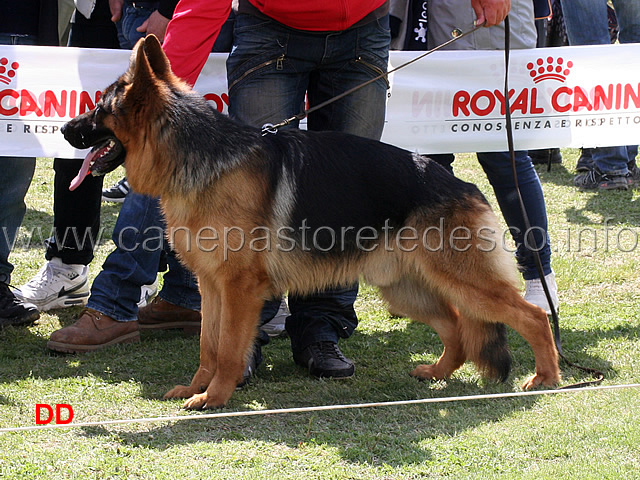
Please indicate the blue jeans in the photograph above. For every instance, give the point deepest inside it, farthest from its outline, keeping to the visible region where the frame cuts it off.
(140, 250)
(632, 153)
(133, 17)
(17, 173)
(587, 24)
(587, 21)
(269, 71)
(497, 167)
(272, 66)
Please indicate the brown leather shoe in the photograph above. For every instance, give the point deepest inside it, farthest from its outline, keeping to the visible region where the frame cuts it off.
(93, 330)
(162, 315)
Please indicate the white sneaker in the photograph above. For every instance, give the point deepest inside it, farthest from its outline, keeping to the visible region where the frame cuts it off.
(147, 292)
(56, 285)
(275, 326)
(534, 292)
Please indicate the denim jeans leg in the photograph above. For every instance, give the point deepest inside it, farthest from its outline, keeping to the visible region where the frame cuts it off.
(611, 160)
(586, 21)
(271, 67)
(180, 285)
(632, 153)
(497, 166)
(628, 12)
(17, 173)
(263, 87)
(139, 239)
(352, 58)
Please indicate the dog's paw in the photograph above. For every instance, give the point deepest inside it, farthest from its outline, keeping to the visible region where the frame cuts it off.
(179, 391)
(427, 372)
(549, 380)
(202, 401)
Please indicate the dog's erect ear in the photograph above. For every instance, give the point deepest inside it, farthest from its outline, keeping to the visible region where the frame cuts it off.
(140, 77)
(157, 59)
(148, 64)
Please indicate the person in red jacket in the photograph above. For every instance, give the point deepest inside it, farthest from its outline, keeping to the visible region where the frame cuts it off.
(284, 50)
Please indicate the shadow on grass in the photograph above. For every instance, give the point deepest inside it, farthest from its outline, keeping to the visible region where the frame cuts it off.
(558, 175)
(617, 206)
(393, 435)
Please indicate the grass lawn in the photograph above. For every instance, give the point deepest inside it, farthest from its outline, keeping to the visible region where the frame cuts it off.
(590, 435)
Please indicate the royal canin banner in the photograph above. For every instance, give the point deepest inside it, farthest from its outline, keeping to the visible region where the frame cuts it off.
(447, 102)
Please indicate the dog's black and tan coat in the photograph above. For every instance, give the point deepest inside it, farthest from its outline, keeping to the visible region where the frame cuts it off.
(255, 216)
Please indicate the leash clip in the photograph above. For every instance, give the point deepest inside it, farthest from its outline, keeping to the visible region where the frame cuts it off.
(269, 128)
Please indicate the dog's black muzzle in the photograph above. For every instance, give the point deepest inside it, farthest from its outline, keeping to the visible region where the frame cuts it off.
(107, 152)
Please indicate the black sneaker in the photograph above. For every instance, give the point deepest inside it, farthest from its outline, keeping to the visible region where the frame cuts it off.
(13, 312)
(324, 359)
(585, 162)
(596, 180)
(633, 177)
(117, 193)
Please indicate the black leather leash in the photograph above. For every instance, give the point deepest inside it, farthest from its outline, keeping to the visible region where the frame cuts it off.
(598, 376)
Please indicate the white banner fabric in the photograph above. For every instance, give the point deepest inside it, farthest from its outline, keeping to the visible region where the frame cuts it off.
(445, 103)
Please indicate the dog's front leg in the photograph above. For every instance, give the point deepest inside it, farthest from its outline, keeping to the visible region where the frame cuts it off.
(241, 303)
(209, 338)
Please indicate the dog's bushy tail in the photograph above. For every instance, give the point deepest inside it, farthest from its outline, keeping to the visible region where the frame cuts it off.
(486, 346)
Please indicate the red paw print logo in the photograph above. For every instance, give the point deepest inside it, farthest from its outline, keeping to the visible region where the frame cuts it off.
(7, 70)
(549, 69)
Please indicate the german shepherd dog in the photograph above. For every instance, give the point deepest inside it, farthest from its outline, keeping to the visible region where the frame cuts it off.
(302, 211)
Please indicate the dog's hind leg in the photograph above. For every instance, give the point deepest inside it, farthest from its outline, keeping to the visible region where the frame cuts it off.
(497, 301)
(241, 300)
(209, 337)
(421, 305)
(532, 324)
(477, 276)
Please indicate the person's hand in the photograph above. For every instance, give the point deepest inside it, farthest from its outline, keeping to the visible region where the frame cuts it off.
(116, 9)
(156, 24)
(491, 11)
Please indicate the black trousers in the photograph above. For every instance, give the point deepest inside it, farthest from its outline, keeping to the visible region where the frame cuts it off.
(76, 215)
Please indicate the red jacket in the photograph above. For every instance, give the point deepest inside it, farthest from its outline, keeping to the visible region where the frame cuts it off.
(196, 25)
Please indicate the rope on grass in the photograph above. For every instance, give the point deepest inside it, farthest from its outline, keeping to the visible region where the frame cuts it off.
(319, 408)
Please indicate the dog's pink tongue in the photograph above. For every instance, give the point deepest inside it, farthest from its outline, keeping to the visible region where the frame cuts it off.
(84, 171)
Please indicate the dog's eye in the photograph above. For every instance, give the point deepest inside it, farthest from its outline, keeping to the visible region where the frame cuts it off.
(100, 110)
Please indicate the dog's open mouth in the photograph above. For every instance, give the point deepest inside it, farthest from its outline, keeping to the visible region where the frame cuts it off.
(103, 158)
